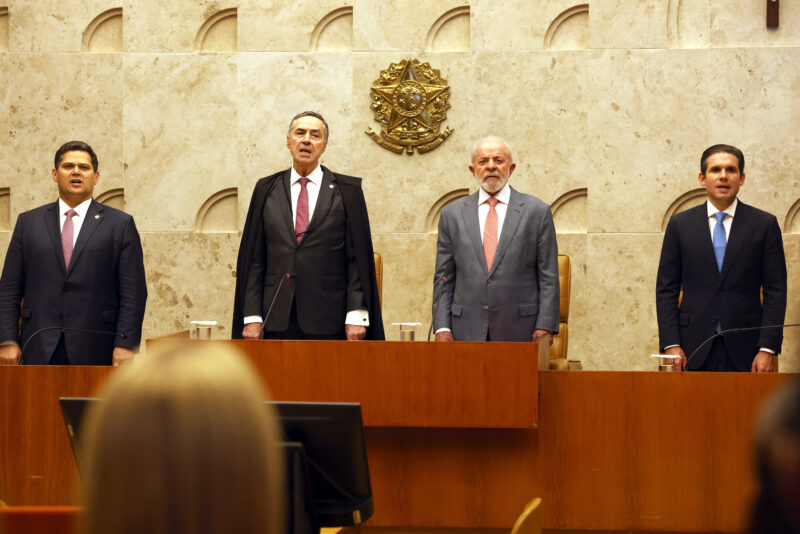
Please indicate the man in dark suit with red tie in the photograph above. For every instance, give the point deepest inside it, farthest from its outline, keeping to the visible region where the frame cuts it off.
(73, 266)
(722, 254)
(306, 265)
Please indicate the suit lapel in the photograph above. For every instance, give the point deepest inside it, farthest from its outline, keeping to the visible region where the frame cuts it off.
(702, 237)
(94, 218)
(286, 207)
(469, 215)
(510, 224)
(324, 200)
(740, 229)
(52, 224)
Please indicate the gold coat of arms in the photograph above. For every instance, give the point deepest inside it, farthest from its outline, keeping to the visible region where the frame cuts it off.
(410, 100)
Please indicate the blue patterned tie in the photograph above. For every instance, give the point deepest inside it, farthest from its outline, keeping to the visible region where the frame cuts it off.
(719, 240)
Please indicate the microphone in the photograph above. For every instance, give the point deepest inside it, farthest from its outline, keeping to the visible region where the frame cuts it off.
(436, 304)
(733, 330)
(271, 304)
(66, 329)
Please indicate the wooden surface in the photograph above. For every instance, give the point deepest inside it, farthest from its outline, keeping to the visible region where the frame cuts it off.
(40, 519)
(405, 384)
(613, 451)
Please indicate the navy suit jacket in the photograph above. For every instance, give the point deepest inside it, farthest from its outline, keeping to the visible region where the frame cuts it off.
(754, 259)
(103, 289)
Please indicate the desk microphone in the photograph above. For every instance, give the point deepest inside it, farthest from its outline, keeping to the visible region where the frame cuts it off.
(436, 304)
(274, 298)
(733, 330)
(66, 329)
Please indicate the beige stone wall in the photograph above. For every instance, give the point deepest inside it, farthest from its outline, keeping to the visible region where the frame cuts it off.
(606, 104)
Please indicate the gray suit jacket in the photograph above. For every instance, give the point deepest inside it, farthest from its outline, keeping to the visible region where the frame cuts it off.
(520, 293)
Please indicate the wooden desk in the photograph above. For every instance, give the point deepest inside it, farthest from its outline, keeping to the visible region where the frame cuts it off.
(613, 450)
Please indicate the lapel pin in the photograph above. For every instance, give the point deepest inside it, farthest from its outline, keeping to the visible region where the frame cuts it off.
(97, 216)
(330, 186)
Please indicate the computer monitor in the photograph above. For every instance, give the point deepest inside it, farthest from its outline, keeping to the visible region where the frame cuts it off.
(332, 435)
(332, 459)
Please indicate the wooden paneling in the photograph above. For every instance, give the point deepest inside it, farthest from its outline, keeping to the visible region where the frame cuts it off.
(613, 451)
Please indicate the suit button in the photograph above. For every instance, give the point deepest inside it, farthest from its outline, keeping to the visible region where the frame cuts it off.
(490, 280)
(486, 307)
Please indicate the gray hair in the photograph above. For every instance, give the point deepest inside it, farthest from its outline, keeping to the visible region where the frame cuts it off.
(491, 138)
(309, 114)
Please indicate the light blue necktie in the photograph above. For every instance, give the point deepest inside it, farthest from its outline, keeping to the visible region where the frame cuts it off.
(719, 240)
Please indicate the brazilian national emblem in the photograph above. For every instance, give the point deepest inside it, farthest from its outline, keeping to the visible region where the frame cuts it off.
(410, 100)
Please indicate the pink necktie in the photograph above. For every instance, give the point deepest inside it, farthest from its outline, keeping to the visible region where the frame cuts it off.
(67, 232)
(490, 233)
(301, 219)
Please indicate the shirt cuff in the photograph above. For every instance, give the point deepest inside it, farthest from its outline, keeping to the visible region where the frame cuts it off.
(670, 346)
(445, 329)
(253, 319)
(767, 350)
(357, 317)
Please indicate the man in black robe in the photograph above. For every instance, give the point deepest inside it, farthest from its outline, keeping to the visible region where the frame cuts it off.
(305, 268)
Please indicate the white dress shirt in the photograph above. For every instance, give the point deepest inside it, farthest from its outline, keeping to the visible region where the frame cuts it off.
(354, 317)
(504, 196)
(77, 219)
(730, 212)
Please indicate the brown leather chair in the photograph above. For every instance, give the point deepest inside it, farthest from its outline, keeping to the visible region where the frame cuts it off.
(558, 350)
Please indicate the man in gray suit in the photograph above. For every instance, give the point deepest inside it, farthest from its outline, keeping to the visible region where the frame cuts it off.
(496, 260)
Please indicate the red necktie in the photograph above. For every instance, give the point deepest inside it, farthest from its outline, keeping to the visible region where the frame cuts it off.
(490, 233)
(301, 219)
(67, 233)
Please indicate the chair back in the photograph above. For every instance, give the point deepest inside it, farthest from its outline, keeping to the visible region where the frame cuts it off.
(558, 350)
(379, 275)
(530, 520)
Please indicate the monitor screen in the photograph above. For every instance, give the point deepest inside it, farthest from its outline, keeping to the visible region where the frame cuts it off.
(333, 458)
(332, 435)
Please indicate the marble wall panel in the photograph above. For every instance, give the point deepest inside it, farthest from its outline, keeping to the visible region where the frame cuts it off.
(648, 114)
(290, 23)
(394, 25)
(190, 277)
(516, 25)
(408, 267)
(789, 360)
(754, 106)
(744, 23)
(51, 25)
(318, 82)
(180, 135)
(541, 112)
(5, 130)
(629, 23)
(620, 288)
(400, 189)
(165, 26)
(687, 23)
(54, 98)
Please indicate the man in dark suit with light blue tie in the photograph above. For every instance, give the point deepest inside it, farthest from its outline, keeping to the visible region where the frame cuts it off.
(73, 285)
(722, 254)
(496, 259)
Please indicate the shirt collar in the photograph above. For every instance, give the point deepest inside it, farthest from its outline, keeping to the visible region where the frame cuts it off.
(315, 177)
(504, 195)
(730, 210)
(80, 209)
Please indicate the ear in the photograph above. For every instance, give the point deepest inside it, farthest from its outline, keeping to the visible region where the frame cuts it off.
(54, 176)
(741, 181)
(511, 168)
(96, 177)
(702, 178)
(471, 170)
(287, 143)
